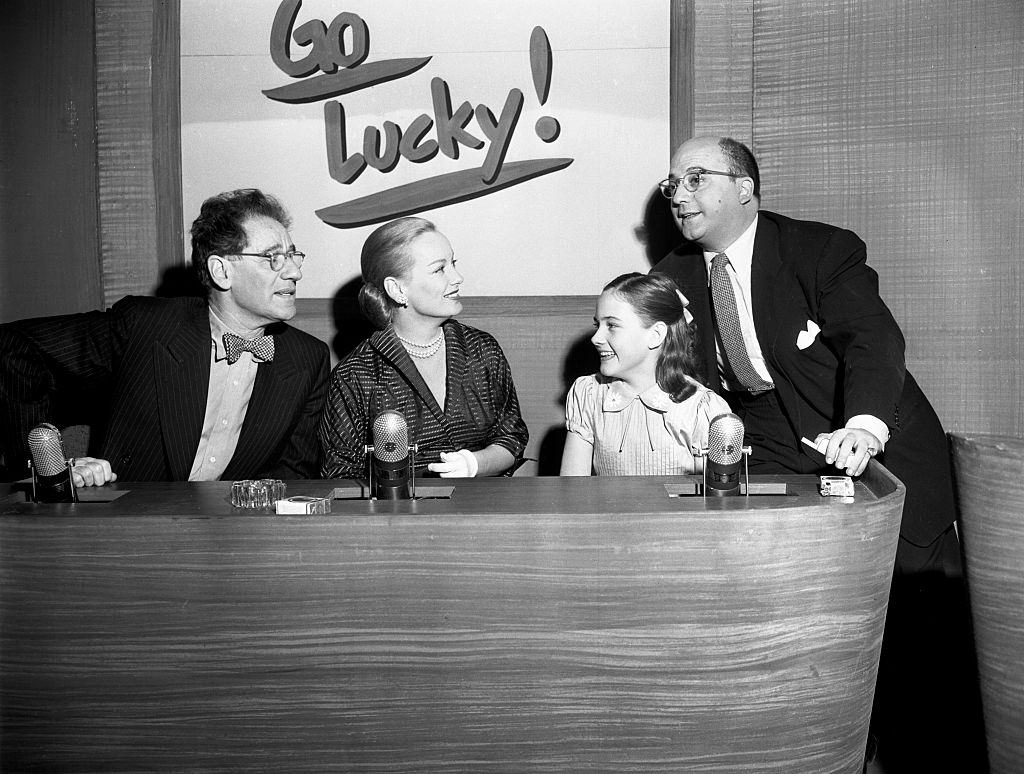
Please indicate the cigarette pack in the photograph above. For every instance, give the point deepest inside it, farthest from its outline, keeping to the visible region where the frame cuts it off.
(836, 486)
(303, 504)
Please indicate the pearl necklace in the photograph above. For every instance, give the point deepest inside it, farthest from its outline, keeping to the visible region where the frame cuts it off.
(423, 351)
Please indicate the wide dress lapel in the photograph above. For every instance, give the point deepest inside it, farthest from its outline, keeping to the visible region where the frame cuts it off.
(693, 282)
(181, 363)
(390, 349)
(771, 288)
(765, 272)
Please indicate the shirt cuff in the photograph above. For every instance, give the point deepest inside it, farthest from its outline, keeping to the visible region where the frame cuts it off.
(873, 425)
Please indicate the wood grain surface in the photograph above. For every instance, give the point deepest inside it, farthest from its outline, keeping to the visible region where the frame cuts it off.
(523, 625)
(990, 488)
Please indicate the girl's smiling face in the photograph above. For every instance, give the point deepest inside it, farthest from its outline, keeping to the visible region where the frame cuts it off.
(628, 349)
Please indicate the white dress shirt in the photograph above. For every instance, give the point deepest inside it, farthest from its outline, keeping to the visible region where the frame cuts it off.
(227, 401)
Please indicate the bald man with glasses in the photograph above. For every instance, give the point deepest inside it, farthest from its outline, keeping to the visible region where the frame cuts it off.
(198, 389)
(797, 339)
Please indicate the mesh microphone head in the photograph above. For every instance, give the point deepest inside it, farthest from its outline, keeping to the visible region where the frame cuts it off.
(725, 439)
(390, 437)
(47, 448)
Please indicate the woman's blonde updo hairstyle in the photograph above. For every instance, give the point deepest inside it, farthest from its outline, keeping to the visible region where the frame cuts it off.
(384, 255)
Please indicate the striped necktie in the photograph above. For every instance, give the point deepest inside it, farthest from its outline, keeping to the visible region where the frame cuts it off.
(728, 321)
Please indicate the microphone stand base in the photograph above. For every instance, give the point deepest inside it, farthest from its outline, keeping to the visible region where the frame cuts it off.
(59, 488)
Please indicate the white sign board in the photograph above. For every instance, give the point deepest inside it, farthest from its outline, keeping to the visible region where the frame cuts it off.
(532, 133)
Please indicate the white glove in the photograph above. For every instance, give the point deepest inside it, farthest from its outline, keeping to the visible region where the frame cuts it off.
(458, 464)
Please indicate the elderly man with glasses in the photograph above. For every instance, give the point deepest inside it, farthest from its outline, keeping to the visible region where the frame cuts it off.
(797, 339)
(193, 388)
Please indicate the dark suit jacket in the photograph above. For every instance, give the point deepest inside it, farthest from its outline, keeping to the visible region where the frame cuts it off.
(148, 361)
(804, 271)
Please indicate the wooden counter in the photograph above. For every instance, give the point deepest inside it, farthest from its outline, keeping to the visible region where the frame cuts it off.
(524, 624)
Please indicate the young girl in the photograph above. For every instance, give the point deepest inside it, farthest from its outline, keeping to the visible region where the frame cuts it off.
(644, 414)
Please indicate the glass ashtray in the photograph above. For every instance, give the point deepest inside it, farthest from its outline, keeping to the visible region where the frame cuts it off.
(262, 493)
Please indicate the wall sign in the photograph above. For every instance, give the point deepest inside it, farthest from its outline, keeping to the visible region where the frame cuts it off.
(339, 52)
(533, 133)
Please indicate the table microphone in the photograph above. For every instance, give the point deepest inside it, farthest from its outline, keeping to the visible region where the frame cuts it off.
(51, 470)
(391, 465)
(724, 454)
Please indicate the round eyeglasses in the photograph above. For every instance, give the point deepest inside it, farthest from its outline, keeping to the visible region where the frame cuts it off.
(690, 181)
(278, 260)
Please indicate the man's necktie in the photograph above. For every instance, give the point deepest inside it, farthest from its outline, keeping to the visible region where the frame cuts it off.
(729, 330)
(262, 347)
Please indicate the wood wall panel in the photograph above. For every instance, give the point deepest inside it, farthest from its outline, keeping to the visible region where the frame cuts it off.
(49, 256)
(903, 122)
(682, 112)
(170, 229)
(723, 68)
(137, 129)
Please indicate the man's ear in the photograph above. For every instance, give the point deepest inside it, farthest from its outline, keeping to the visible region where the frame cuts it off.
(656, 334)
(393, 287)
(220, 272)
(746, 190)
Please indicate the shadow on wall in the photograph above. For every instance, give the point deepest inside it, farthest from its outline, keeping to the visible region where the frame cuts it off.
(580, 360)
(350, 327)
(179, 281)
(657, 230)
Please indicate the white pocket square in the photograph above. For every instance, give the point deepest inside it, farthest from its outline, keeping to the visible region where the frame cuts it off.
(806, 338)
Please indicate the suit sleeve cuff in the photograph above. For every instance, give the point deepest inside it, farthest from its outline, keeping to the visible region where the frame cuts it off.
(873, 425)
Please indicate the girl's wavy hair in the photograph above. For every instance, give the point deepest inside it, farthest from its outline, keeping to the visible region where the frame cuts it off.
(656, 298)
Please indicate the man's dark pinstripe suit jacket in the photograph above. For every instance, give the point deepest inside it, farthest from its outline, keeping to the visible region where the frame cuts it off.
(149, 360)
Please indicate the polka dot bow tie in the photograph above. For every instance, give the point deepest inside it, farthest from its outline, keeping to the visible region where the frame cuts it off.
(262, 347)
